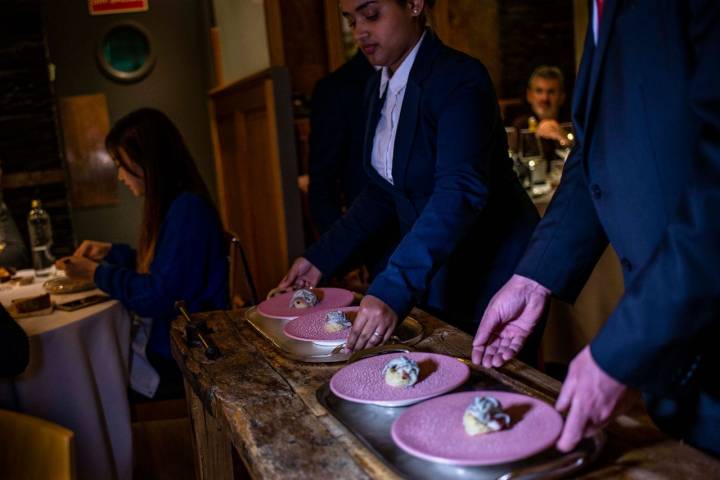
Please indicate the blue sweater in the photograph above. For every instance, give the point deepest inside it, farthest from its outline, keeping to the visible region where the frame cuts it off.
(190, 264)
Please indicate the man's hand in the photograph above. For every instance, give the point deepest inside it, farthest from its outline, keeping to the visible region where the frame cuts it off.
(77, 267)
(552, 130)
(593, 398)
(93, 250)
(302, 274)
(508, 320)
(374, 324)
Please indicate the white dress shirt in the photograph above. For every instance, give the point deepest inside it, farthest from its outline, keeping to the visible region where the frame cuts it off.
(384, 141)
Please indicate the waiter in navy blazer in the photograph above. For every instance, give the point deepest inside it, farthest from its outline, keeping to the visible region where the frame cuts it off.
(645, 176)
(436, 155)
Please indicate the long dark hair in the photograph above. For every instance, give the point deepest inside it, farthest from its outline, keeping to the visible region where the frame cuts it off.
(151, 140)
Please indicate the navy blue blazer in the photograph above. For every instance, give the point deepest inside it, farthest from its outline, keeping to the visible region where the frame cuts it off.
(645, 176)
(190, 264)
(464, 218)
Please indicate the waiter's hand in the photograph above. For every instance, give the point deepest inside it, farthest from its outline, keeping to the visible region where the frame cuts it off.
(93, 250)
(302, 274)
(374, 324)
(77, 267)
(508, 320)
(593, 398)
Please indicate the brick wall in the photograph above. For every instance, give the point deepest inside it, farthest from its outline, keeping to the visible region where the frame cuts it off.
(30, 152)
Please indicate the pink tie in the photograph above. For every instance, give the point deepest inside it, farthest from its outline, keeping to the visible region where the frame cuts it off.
(600, 10)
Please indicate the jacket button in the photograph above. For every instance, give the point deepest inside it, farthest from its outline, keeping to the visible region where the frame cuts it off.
(626, 265)
(596, 191)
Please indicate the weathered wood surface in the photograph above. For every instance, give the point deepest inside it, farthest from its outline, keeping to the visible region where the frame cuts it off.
(265, 405)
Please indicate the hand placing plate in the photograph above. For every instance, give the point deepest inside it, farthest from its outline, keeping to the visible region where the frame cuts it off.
(434, 431)
(328, 298)
(311, 327)
(364, 380)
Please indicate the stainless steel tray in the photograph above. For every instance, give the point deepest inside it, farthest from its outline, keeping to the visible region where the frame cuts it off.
(371, 425)
(408, 333)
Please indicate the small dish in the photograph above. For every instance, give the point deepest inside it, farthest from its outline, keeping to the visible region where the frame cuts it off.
(62, 285)
(328, 298)
(364, 382)
(434, 431)
(311, 327)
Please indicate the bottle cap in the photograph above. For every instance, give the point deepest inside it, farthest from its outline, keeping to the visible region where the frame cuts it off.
(36, 203)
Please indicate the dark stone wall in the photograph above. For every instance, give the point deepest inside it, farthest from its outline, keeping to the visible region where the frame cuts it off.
(534, 33)
(30, 153)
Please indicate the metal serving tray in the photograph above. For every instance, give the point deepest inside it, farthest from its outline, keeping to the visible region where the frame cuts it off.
(371, 425)
(408, 333)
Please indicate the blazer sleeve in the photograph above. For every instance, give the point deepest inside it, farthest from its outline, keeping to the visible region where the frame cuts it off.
(328, 135)
(370, 212)
(179, 268)
(121, 255)
(670, 311)
(465, 134)
(569, 239)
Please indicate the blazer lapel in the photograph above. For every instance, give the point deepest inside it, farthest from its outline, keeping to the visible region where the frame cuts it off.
(610, 9)
(407, 124)
(374, 107)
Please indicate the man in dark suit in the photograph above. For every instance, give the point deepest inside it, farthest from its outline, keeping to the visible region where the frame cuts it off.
(337, 133)
(337, 174)
(645, 176)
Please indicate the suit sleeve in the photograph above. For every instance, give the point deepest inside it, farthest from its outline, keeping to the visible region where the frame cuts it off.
(677, 295)
(465, 135)
(328, 135)
(179, 267)
(121, 255)
(371, 212)
(569, 240)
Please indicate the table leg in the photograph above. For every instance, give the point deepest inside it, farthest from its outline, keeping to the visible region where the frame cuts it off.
(211, 442)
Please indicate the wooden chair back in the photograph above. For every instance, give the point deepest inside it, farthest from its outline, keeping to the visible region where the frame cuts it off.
(35, 449)
(242, 286)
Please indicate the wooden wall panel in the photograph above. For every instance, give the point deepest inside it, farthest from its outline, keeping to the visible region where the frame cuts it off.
(471, 27)
(257, 172)
(298, 40)
(93, 176)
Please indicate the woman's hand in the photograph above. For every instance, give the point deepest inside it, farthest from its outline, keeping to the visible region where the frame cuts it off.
(77, 267)
(93, 250)
(374, 324)
(302, 274)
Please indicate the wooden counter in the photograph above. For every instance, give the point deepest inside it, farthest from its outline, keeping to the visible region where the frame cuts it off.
(263, 405)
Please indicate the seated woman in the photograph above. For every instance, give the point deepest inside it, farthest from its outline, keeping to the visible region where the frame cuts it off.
(181, 253)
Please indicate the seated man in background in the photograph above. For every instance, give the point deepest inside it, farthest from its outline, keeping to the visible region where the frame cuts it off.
(545, 96)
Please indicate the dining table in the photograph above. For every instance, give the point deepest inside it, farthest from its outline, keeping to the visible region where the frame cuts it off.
(77, 377)
(257, 411)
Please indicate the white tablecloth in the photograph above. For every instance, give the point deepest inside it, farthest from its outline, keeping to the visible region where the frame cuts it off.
(77, 377)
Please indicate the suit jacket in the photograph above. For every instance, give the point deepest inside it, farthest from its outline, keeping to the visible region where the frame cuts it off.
(464, 218)
(337, 136)
(645, 175)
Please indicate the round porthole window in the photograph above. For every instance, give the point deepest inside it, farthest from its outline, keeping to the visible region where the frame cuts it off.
(125, 52)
